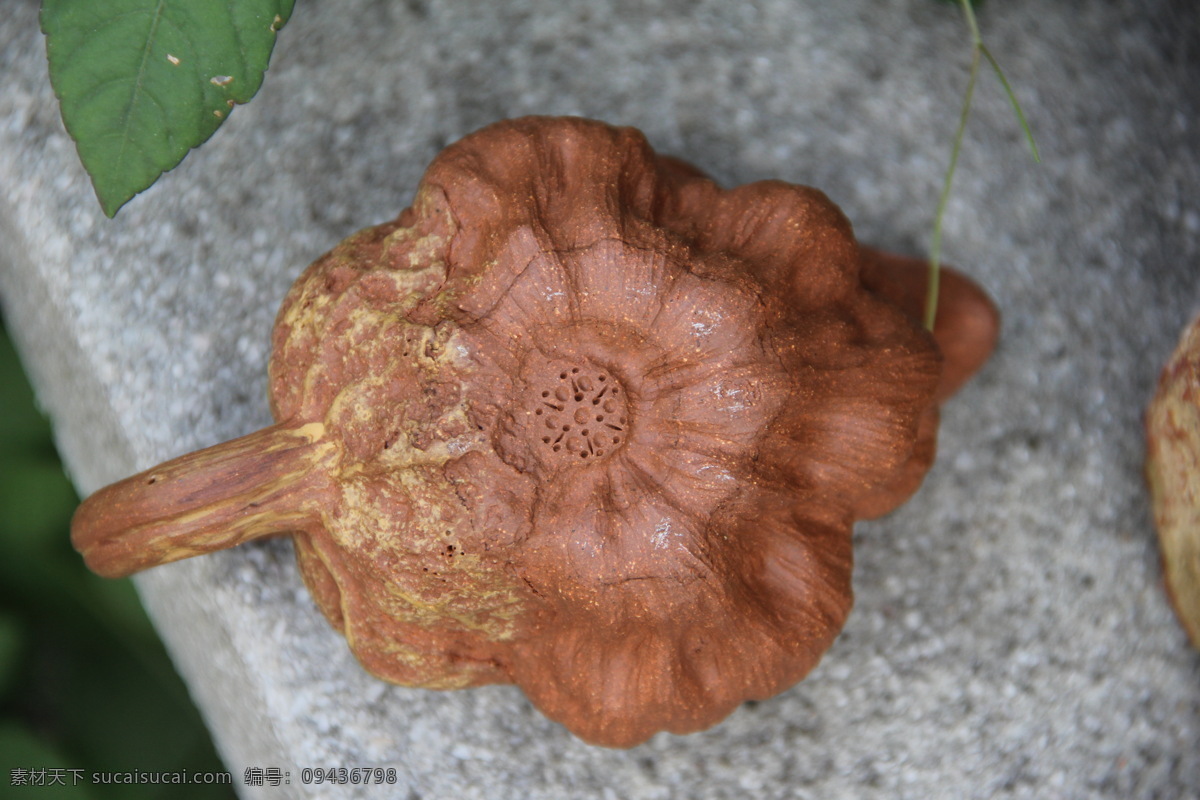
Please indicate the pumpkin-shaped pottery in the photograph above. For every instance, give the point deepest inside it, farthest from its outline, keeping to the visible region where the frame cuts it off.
(583, 421)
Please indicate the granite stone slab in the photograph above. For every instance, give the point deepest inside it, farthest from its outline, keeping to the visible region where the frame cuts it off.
(1011, 637)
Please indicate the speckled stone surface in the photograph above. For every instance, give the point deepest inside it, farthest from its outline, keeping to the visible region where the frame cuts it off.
(1010, 638)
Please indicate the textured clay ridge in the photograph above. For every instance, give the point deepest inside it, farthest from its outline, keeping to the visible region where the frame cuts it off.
(580, 420)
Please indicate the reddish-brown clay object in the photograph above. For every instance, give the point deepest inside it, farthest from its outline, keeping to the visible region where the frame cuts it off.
(579, 420)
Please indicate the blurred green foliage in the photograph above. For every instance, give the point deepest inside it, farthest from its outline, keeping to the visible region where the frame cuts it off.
(84, 681)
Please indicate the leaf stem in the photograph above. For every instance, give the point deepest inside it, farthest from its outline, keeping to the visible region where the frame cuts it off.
(978, 52)
(969, 10)
(935, 251)
(1012, 100)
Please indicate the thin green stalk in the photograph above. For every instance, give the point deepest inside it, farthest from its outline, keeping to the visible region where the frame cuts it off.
(935, 252)
(969, 10)
(1012, 99)
(978, 52)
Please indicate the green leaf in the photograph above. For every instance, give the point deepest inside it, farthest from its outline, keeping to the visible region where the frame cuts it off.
(141, 82)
